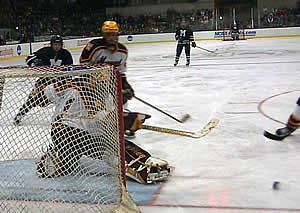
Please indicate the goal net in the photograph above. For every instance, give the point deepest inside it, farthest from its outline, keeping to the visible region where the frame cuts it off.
(61, 140)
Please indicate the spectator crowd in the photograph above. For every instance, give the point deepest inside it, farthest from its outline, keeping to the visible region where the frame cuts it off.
(40, 22)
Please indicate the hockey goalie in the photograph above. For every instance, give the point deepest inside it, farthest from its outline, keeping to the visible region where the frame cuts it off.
(74, 136)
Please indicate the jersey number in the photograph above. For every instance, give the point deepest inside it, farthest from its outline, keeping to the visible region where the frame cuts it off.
(55, 63)
(182, 33)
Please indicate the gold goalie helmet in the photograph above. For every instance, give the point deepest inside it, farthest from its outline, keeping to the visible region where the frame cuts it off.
(110, 27)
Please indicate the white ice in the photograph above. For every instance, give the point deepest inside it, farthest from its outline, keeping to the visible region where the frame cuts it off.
(231, 169)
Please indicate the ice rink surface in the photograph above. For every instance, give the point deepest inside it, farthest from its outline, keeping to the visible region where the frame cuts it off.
(251, 86)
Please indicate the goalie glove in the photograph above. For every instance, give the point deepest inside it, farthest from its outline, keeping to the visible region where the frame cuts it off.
(133, 120)
(194, 44)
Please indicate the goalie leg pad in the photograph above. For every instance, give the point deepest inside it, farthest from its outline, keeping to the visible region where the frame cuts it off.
(135, 158)
(143, 168)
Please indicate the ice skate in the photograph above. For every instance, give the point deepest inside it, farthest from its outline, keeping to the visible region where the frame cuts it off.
(129, 134)
(159, 169)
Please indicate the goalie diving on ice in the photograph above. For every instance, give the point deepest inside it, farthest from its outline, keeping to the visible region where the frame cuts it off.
(78, 131)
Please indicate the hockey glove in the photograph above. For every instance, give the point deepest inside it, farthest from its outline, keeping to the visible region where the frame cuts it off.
(194, 44)
(133, 120)
(128, 93)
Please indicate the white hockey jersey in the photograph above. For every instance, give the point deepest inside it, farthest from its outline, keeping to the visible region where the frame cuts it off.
(97, 51)
(75, 110)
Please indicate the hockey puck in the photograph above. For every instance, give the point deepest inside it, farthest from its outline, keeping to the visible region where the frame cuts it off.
(276, 185)
(185, 117)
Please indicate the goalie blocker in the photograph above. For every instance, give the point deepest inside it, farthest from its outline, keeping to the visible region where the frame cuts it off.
(140, 165)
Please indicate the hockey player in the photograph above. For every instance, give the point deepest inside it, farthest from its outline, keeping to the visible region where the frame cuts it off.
(51, 56)
(235, 32)
(46, 56)
(293, 122)
(184, 35)
(109, 50)
(74, 135)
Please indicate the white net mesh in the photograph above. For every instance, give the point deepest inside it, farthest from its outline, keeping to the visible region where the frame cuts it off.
(60, 148)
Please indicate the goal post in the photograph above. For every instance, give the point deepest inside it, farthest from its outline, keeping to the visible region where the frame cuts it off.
(61, 140)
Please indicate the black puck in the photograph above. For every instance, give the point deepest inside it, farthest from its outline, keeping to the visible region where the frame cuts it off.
(276, 185)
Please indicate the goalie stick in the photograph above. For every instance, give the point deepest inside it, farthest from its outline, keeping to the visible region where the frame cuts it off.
(204, 131)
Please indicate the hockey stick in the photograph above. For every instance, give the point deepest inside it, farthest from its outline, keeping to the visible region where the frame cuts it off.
(207, 49)
(204, 131)
(185, 117)
(274, 136)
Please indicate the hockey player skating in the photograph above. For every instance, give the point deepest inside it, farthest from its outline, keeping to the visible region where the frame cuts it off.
(109, 50)
(55, 55)
(235, 32)
(78, 129)
(292, 124)
(185, 36)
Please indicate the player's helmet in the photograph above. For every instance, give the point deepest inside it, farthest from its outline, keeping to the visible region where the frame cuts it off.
(110, 27)
(183, 23)
(56, 39)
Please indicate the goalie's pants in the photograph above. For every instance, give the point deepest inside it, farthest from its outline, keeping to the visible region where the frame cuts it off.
(187, 49)
(72, 143)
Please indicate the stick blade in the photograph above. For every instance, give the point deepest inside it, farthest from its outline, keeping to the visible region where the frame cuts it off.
(273, 136)
(207, 128)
